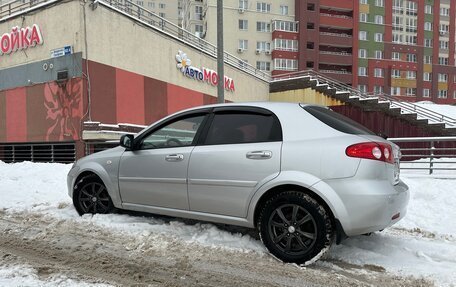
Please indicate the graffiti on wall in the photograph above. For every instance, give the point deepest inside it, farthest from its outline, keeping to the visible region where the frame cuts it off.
(63, 105)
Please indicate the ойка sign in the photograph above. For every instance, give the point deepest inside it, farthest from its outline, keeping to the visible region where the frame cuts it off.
(20, 39)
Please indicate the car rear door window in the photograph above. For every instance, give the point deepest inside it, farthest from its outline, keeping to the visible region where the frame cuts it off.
(240, 127)
(337, 121)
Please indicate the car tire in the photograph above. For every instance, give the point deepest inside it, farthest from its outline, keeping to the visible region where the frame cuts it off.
(295, 228)
(91, 196)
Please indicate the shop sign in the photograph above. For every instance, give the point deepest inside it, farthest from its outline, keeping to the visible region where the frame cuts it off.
(20, 39)
(67, 50)
(184, 64)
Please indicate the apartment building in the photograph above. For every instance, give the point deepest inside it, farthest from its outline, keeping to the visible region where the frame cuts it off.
(169, 9)
(261, 33)
(405, 48)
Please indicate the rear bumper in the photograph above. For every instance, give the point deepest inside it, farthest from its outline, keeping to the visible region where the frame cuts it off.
(369, 205)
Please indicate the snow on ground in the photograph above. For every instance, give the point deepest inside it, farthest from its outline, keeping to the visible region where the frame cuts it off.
(23, 275)
(422, 244)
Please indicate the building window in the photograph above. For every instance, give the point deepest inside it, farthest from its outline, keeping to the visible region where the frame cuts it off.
(243, 44)
(199, 12)
(283, 9)
(362, 53)
(198, 29)
(411, 8)
(395, 74)
(243, 25)
(286, 45)
(379, 3)
(378, 37)
(411, 75)
(243, 4)
(427, 76)
(263, 65)
(443, 94)
(362, 88)
(427, 59)
(263, 46)
(443, 45)
(310, 6)
(162, 5)
(363, 35)
(362, 1)
(411, 58)
(287, 26)
(263, 27)
(428, 9)
(363, 17)
(428, 43)
(444, 11)
(362, 71)
(378, 73)
(151, 5)
(410, 39)
(397, 38)
(443, 61)
(444, 29)
(426, 93)
(161, 14)
(396, 56)
(378, 54)
(428, 26)
(378, 19)
(285, 64)
(263, 7)
(140, 3)
(411, 92)
(378, 90)
(454, 94)
(443, 78)
(410, 25)
(396, 91)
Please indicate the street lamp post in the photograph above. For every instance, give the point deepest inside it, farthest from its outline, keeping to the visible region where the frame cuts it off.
(220, 54)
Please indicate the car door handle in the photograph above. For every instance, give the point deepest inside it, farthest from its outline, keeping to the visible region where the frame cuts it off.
(174, 157)
(259, 154)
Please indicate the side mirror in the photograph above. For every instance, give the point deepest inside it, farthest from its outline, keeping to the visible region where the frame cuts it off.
(126, 141)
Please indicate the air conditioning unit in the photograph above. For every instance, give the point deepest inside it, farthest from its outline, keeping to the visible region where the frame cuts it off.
(442, 33)
(258, 51)
(268, 52)
(240, 50)
(241, 10)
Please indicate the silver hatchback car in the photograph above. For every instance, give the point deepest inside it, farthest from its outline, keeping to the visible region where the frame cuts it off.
(303, 175)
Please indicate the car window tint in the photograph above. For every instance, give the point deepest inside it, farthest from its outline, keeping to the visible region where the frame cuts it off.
(179, 133)
(233, 128)
(337, 121)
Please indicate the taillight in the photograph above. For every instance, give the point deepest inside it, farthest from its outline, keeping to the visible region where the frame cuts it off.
(371, 150)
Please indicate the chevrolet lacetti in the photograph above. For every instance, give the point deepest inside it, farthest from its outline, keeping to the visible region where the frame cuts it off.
(302, 175)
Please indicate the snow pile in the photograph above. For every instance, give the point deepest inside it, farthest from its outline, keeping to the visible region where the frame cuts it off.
(422, 244)
(446, 110)
(23, 275)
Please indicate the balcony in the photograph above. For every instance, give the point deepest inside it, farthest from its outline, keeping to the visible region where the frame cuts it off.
(330, 57)
(334, 20)
(343, 5)
(341, 76)
(336, 39)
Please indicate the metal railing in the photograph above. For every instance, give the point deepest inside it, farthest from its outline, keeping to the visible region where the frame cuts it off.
(427, 153)
(406, 107)
(63, 152)
(15, 7)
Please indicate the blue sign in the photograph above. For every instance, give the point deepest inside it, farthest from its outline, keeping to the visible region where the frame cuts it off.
(67, 50)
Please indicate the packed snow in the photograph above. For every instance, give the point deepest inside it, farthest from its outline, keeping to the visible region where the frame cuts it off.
(423, 244)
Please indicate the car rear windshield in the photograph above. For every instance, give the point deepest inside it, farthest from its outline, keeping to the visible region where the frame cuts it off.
(337, 121)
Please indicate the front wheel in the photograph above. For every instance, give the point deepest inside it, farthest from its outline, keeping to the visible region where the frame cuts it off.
(295, 227)
(91, 196)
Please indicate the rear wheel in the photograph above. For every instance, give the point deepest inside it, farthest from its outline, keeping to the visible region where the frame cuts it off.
(91, 196)
(294, 227)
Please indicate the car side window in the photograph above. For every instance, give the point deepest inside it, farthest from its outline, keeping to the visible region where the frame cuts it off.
(179, 133)
(238, 127)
